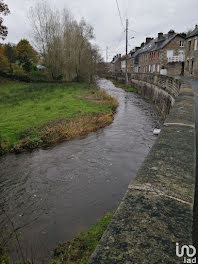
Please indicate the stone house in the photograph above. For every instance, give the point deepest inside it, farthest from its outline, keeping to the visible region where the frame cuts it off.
(132, 60)
(191, 51)
(164, 53)
(123, 63)
(115, 65)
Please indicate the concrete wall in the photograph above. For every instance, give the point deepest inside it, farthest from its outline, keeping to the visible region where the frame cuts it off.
(157, 209)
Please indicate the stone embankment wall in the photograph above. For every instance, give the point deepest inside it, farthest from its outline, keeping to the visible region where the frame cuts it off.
(157, 209)
(161, 90)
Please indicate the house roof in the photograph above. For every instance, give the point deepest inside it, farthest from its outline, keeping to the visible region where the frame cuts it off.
(115, 59)
(193, 33)
(155, 44)
(147, 48)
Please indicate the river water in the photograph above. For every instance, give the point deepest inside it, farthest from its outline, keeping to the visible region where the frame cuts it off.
(57, 193)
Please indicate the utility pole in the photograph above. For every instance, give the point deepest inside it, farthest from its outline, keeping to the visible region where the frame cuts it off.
(126, 69)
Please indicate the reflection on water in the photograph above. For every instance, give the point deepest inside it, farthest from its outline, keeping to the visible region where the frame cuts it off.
(62, 191)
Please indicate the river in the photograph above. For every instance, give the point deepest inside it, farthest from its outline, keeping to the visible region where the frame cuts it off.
(58, 192)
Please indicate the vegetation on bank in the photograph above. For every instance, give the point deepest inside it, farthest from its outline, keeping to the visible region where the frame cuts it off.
(123, 86)
(41, 114)
(82, 246)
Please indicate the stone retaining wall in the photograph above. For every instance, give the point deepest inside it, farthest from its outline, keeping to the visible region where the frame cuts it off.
(161, 90)
(157, 209)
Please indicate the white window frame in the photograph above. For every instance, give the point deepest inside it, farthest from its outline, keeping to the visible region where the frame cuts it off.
(196, 44)
(149, 68)
(181, 43)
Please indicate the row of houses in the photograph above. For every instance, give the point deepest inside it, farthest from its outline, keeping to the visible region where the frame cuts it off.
(172, 54)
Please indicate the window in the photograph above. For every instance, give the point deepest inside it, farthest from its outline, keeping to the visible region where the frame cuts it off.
(169, 53)
(181, 44)
(149, 68)
(181, 52)
(189, 45)
(153, 68)
(196, 42)
(188, 65)
(158, 68)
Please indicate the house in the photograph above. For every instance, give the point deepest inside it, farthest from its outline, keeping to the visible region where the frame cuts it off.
(123, 63)
(115, 65)
(143, 58)
(191, 50)
(133, 60)
(164, 53)
(130, 61)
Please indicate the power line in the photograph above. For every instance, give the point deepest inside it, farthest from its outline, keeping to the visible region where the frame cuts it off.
(126, 66)
(120, 14)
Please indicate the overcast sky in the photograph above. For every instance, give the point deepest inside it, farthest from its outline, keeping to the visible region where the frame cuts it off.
(146, 19)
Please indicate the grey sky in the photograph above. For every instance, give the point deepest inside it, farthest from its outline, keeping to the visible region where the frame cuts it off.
(146, 19)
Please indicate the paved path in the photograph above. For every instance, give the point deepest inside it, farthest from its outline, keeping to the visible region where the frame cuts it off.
(194, 84)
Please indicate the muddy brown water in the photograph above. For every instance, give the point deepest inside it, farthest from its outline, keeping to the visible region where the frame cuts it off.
(57, 193)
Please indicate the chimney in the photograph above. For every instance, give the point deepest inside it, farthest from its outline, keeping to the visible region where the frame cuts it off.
(196, 26)
(119, 55)
(148, 40)
(137, 48)
(171, 32)
(160, 36)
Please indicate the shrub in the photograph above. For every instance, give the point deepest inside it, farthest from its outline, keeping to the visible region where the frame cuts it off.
(18, 71)
(37, 76)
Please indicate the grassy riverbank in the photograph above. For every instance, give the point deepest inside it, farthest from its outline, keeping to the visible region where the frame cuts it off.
(123, 86)
(41, 114)
(82, 246)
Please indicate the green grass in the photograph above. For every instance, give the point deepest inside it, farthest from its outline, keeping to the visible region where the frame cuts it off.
(81, 247)
(26, 107)
(123, 86)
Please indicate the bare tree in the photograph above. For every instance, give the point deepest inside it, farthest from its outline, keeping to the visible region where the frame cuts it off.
(65, 44)
(4, 10)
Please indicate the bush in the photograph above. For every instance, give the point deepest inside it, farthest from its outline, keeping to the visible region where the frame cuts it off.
(18, 71)
(4, 65)
(37, 76)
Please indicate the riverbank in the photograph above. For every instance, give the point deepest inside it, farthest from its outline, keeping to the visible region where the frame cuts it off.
(79, 249)
(123, 86)
(41, 114)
